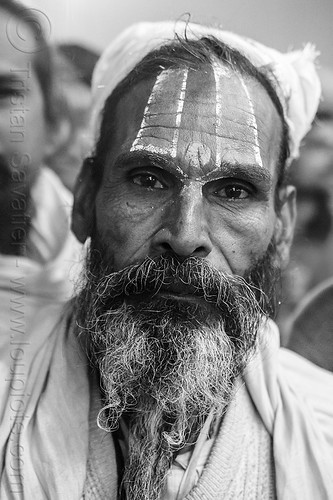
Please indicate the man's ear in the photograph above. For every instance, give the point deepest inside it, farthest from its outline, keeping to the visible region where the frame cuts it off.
(84, 201)
(285, 224)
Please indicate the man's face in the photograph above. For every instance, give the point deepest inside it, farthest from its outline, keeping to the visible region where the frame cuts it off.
(191, 171)
(186, 202)
(23, 136)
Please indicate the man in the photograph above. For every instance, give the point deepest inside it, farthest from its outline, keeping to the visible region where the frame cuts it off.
(190, 218)
(37, 250)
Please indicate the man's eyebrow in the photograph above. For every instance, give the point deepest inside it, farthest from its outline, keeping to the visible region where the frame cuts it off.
(250, 172)
(142, 157)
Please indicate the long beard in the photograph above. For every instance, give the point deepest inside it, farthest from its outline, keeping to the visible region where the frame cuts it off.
(165, 363)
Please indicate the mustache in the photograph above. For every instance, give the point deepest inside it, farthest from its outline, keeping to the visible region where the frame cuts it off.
(167, 274)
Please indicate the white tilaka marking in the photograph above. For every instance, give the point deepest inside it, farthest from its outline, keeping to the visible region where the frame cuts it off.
(180, 107)
(252, 122)
(146, 114)
(147, 147)
(219, 72)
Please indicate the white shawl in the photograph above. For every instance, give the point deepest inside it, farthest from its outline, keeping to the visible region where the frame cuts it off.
(32, 296)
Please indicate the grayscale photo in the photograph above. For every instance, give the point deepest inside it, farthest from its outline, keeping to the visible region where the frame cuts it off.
(166, 250)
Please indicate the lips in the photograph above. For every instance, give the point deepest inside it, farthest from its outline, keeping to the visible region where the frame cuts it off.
(188, 298)
(181, 291)
(179, 288)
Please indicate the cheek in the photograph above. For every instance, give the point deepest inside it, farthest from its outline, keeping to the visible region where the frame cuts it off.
(244, 240)
(125, 228)
(258, 237)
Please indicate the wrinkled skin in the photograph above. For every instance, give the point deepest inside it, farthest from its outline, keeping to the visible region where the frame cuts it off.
(213, 197)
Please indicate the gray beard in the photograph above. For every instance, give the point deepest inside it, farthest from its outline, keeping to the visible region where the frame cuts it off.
(165, 364)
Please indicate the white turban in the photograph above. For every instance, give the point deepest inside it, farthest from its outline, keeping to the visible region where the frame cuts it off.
(297, 83)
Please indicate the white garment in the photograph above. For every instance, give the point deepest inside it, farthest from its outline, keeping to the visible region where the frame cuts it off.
(32, 297)
(299, 417)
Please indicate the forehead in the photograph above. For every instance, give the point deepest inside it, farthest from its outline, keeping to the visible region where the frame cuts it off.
(203, 116)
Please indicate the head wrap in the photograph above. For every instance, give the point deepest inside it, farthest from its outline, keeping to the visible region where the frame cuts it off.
(296, 81)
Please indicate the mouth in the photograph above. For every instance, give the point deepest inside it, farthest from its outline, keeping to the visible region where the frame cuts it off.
(178, 298)
(181, 292)
(176, 291)
(181, 297)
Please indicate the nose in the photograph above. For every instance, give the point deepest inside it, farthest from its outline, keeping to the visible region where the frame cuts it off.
(184, 228)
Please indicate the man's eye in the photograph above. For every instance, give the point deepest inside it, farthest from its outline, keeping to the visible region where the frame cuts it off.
(233, 192)
(147, 181)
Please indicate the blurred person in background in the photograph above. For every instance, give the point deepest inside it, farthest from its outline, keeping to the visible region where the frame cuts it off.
(37, 249)
(311, 259)
(74, 65)
(30, 131)
(311, 328)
